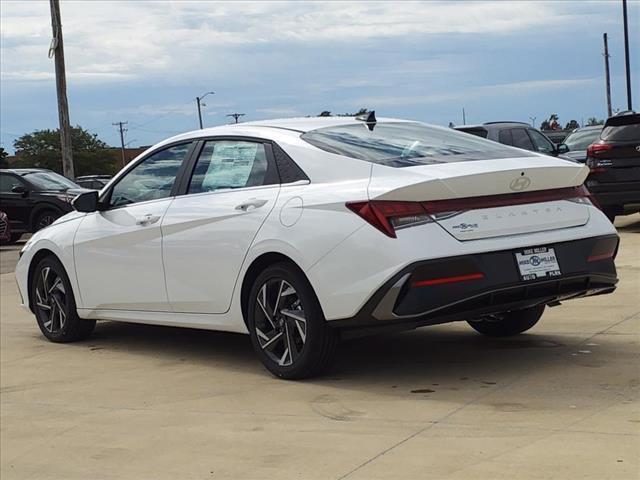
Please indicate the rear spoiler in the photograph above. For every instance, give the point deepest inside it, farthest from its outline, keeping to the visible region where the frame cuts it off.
(620, 120)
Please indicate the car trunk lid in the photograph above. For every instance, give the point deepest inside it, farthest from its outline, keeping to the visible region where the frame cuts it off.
(489, 198)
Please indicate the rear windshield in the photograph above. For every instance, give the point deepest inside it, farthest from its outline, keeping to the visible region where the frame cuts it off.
(479, 132)
(622, 133)
(407, 144)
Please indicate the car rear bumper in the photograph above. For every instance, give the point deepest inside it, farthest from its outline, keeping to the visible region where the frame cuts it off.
(469, 286)
(616, 194)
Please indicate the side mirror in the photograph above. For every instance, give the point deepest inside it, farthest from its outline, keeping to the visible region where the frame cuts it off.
(86, 202)
(21, 189)
(562, 148)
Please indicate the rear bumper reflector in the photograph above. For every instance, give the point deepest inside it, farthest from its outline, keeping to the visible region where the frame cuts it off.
(443, 280)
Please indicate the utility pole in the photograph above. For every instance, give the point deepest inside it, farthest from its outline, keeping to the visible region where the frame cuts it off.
(464, 117)
(120, 126)
(236, 116)
(57, 50)
(607, 78)
(533, 121)
(626, 53)
(199, 102)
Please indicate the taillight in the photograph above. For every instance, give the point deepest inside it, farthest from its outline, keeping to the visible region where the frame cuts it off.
(389, 216)
(604, 249)
(596, 149)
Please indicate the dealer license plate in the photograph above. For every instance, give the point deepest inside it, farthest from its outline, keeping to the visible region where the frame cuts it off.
(539, 262)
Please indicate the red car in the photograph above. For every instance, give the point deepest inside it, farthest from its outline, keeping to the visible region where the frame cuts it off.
(5, 228)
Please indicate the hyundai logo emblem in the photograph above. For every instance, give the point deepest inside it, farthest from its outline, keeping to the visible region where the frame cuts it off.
(638, 148)
(519, 184)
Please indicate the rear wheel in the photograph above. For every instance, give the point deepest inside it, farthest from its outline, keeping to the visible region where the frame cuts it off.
(54, 305)
(287, 328)
(508, 323)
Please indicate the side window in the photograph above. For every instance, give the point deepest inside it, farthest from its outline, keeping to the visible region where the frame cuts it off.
(521, 139)
(7, 182)
(505, 137)
(541, 143)
(151, 179)
(228, 164)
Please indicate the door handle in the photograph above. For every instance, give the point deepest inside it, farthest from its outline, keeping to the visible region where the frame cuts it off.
(148, 219)
(251, 203)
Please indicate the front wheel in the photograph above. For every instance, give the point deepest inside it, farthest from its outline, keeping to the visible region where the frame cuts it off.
(508, 323)
(54, 305)
(287, 328)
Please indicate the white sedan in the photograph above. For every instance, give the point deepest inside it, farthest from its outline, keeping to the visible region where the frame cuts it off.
(300, 232)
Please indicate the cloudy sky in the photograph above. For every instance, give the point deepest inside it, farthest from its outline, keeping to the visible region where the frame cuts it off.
(145, 62)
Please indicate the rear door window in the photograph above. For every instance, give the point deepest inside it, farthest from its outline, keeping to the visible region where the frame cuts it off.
(505, 137)
(231, 164)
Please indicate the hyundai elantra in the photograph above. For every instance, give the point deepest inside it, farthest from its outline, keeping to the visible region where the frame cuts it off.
(301, 232)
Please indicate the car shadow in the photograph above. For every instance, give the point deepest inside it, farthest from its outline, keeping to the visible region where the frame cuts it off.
(432, 358)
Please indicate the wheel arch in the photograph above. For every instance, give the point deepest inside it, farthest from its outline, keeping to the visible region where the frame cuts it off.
(258, 265)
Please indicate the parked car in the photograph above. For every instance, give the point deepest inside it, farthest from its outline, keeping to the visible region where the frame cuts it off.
(614, 160)
(578, 141)
(94, 182)
(34, 198)
(516, 134)
(5, 229)
(300, 232)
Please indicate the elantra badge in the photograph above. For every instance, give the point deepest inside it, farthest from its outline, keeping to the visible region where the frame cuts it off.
(520, 183)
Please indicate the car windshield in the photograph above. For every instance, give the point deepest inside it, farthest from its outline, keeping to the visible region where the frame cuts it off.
(49, 181)
(407, 144)
(581, 139)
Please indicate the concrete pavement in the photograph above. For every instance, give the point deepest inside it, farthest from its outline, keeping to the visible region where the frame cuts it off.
(143, 402)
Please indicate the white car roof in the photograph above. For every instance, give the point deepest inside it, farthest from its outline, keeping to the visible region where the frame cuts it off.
(272, 129)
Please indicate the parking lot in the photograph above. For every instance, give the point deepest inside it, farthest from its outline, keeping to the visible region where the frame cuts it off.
(443, 402)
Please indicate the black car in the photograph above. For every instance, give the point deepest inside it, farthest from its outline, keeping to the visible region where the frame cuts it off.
(516, 134)
(93, 182)
(34, 198)
(614, 160)
(578, 141)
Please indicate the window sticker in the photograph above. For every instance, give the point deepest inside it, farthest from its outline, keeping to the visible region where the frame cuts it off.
(230, 165)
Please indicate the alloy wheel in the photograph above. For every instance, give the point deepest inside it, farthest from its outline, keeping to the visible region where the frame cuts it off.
(45, 221)
(51, 300)
(280, 325)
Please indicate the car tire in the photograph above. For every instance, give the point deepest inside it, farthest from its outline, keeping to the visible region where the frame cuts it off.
(509, 323)
(45, 218)
(54, 305)
(287, 327)
(15, 237)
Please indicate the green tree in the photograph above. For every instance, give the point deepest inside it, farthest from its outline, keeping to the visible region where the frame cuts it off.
(41, 149)
(3, 158)
(572, 125)
(325, 113)
(545, 125)
(594, 121)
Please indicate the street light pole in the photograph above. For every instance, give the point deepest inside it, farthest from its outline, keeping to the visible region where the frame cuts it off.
(607, 78)
(199, 102)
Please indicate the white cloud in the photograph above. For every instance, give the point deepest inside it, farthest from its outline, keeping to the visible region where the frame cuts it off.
(118, 40)
(501, 89)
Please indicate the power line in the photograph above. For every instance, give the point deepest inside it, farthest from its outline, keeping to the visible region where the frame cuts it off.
(56, 51)
(236, 116)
